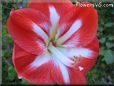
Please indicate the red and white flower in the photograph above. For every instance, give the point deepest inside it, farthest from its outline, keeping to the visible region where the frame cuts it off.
(54, 42)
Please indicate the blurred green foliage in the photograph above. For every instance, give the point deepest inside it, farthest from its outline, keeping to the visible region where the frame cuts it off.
(103, 71)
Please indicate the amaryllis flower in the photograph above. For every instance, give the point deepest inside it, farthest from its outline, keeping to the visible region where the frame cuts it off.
(54, 42)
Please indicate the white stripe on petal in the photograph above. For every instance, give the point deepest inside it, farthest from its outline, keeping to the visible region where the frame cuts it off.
(63, 69)
(46, 26)
(40, 60)
(61, 57)
(72, 42)
(75, 26)
(60, 28)
(77, 52)
(64, 72)
(40, 32)
(54, 16)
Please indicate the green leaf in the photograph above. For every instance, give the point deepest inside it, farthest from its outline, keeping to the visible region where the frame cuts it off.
(109, 24)
(100, 29)
(109, 57)
(102, 51)
(112, 12)
(11, 73)
(102, 40)
(109, 45)
(111, 38)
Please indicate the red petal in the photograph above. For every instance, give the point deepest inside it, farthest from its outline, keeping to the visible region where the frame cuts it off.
(62, 6)
(47, 73)
(39, 75)
(76, 77)
(88, 63)
(86, 32)
(20, 26)
(22, 61)
(21, 58)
